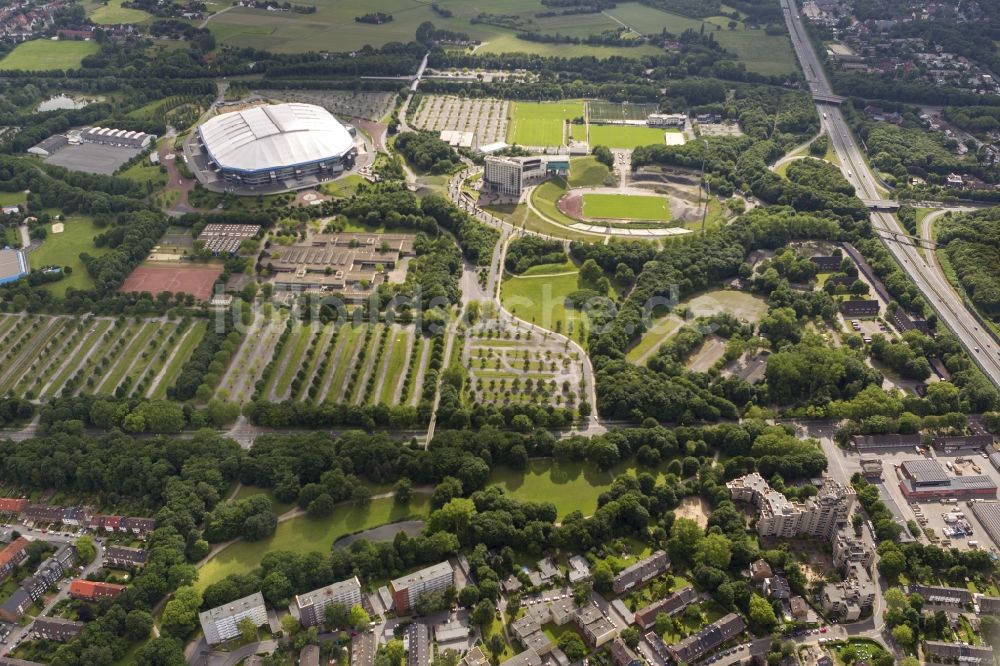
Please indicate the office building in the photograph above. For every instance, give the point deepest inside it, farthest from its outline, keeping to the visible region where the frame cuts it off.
(222, 622)
(312, 605)
(508, 176)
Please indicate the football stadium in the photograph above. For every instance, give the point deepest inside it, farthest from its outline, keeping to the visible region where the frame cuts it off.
(291, 145)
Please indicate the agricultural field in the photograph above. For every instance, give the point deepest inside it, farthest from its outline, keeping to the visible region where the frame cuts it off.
(371, 105)
(625, 207)
(112, 12)
(541, 123)
(64, 249)
(486, 117)
(45, 357)
(516, 365)
(628, 137)
(43, 55)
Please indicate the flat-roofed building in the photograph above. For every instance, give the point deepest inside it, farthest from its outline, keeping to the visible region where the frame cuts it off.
(308, 656)
(641, 572)
(847, 599)
(221, 623)
(988, 515)
(508, 176)
(312, 605)
(526, 658)
(891, 442)
(820, 516)
(407, 590)
(678, 120)
(13, 265)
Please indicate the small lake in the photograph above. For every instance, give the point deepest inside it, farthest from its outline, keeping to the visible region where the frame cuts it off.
(60, 102)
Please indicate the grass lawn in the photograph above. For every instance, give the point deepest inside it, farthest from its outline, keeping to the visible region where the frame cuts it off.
(625, 136)
(587, 172)
(304, 535)
(625, 207)
(12, 198)
(570, 486)
(295, 350)
(505, 42)
(545, 196)
(395, 366)
(354, 335)
(64, 249)
(540, 123)
(658, 333)
(144, 171)
(44, 54)
(112, 13)
(539, 298)
(189, 341)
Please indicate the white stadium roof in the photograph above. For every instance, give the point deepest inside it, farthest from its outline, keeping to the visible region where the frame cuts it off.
(275, 136)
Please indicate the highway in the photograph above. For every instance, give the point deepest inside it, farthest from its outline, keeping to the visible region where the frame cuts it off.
(928, 278)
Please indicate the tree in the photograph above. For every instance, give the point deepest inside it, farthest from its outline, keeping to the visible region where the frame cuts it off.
(714, 550)
(86, 551)
(684, 537)
(358, 617)
(247, 629)
(162, 651)
(321, 507)
(590, 272)
(483, 613)
(572, 645)
(903, 635)
(468, 596)
(180, 615)
(138, 624)
(602, 576)
(403, 490)
(631, 636)
(762, 615)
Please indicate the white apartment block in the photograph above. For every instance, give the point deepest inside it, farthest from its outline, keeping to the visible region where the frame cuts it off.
(819, 516)
(221, 623)
(312, 605)
(407, 590)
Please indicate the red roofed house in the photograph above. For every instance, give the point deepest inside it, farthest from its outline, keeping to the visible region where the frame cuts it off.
(11, 505)
(13, 555)
(94, 591)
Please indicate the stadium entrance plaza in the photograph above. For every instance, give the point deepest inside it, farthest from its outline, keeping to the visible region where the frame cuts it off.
(845, 462)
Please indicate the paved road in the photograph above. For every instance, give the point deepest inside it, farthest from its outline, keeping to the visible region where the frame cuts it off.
(929, 279)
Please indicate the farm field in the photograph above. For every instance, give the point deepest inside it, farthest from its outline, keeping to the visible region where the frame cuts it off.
(303, 535)
(625, 136)
(505, 42)
(113, 13)
(41, 55)
(625, 207)
(541, 123)
(44, 356)
(63, 249)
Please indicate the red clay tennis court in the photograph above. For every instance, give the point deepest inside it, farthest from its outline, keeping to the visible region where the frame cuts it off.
(196, 281)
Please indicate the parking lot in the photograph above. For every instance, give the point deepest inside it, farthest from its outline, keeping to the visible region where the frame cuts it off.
(92, 158)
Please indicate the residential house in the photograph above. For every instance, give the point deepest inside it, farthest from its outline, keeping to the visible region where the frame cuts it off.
(14, 607)
(57, 628)
(94, 590)
(675, 603)
(123, 557)
(641, 572)
(693, 647)
(622, 654)
(13, 555)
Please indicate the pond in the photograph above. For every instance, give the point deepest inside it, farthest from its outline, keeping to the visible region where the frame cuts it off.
(61, 102)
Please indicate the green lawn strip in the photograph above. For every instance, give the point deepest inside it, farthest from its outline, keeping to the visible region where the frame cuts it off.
(77, 355)
(303, 535)
(416, 350)
(156, 347)
(19, 336)
(132, 351)
(319, 352)
(294, 353)
(185, 348)
(6, 323)
(657, 334)
(395, 365)
(99, 345)
(345, 361)
(367, 372)
(16, 369)
(105, 348)
(292, 342)
(53, 361)
(625, 207)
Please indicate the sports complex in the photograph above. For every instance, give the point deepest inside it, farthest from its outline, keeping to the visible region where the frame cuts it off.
(272, 148)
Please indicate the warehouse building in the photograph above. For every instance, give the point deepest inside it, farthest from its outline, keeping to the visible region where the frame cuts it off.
(13, 265)
(988, 515)
(926, 480)
(289, 144)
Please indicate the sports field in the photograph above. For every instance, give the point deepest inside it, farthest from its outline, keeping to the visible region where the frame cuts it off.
(44, 55)
(112, 13)
(625, 207)
(540, 123)
(196, 281)
(625, 136)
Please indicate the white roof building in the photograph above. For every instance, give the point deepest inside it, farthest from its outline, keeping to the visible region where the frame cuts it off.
(274, 136)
